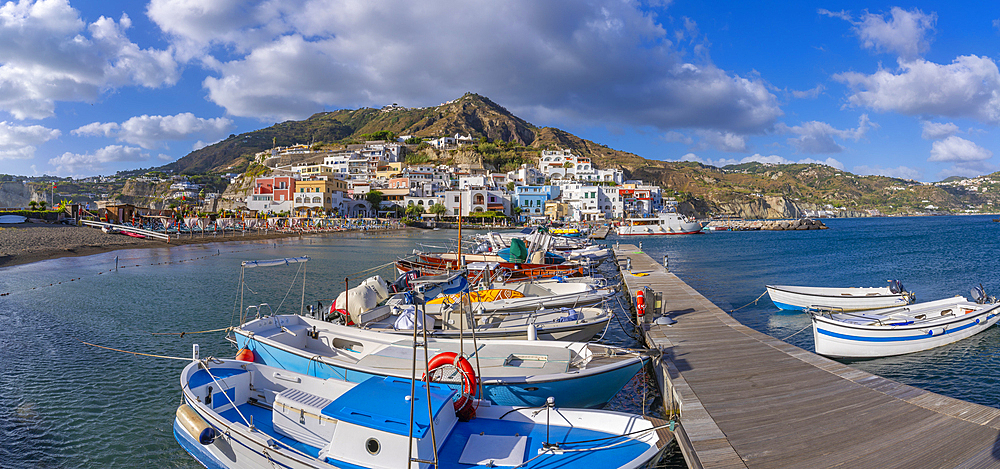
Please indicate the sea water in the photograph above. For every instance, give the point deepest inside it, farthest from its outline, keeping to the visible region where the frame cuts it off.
(935, 257)
(64, 403)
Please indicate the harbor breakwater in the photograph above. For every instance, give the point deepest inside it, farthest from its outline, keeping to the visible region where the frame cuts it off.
(768, 225)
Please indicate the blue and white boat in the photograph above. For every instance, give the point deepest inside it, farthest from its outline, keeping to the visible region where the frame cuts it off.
(512, 372)
(248, 415)
(796, 298)
(908, 329)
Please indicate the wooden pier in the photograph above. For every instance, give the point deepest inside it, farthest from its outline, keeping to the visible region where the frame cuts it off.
(600, 232)
(747, 400)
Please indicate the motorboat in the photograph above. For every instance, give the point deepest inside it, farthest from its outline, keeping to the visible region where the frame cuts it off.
(511, 372)
(797, 298)
(238, 414)
(664, 223)
(901, 330)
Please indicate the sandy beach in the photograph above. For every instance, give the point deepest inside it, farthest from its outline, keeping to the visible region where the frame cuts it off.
(32, 242)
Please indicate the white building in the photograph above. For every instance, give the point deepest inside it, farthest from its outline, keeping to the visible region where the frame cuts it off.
(476, 200)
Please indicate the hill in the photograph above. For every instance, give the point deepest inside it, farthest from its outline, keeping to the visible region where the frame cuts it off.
(752, 190)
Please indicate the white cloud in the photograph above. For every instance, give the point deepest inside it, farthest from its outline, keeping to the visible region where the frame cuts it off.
(809, 94)
(97, 129)
(677, 137)
(817, 137)
(901, 172)
(50, 54)
(153, 131)
(900, 32)
(958, 150)
(722, 141)
(937, 131)
(969, 87)
(591, 61)
(18, 142)
(75, 163)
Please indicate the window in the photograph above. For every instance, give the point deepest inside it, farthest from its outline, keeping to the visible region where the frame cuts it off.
(456, 199)
(456, 211)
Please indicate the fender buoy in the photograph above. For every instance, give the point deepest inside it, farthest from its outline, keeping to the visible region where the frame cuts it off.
(470, 384)
(245, 355)
(640, 303)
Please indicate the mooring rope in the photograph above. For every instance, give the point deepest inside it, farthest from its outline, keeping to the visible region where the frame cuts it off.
(182, 334)
(135, 353)
(750, 303)
(800, 330)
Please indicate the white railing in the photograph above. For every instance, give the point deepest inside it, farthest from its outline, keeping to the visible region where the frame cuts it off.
(130, 229)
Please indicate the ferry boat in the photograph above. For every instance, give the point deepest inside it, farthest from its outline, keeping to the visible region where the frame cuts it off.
(665, 223)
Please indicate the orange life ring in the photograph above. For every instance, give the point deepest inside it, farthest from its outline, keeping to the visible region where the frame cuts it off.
(464, 408)
(640, 303)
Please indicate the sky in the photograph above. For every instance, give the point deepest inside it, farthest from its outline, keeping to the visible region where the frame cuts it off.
(909, 90)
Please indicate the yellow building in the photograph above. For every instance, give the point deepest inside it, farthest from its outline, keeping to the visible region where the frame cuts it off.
(556, 211)
(389, 170)
(319, 194)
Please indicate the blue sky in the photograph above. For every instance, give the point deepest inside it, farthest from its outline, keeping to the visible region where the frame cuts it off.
(900, 89)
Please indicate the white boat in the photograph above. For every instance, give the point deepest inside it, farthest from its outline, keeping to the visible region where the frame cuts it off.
(795, 298)
(246, 415)
(664, 223)
(577, 374)
(550, 310)
(579, 324)
(895, 331)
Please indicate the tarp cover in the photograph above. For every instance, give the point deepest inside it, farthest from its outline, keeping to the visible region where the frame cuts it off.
(518, 251)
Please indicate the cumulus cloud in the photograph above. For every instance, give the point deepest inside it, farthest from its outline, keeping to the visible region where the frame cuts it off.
(959, 150)
(18, 142)
(810, 93)
(590, 61)
(901, 172)
(75, 163)
(937, 131)
(758, 158)
(50, 54)
(722, 141)
(817, 137)
(677, 137)
(969, 87)
(900, 32)
(154, 131)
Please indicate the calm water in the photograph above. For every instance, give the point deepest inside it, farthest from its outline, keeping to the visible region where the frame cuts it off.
(936, 257)
(66, 404)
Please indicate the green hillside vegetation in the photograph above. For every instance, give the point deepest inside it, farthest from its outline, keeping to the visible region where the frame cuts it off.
(505, 141)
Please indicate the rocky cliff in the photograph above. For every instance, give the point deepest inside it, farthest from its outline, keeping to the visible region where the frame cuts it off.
(15, 195)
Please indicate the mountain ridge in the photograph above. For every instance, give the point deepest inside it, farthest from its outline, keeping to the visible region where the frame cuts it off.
(737, 189)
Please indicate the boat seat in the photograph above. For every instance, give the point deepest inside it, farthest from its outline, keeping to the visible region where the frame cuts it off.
(299, 415)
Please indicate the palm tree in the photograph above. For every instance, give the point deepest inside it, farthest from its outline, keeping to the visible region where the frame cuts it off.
(414, 211)
(438, 210)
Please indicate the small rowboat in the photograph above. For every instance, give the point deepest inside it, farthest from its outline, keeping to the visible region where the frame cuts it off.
(896, 331)
(794, 298)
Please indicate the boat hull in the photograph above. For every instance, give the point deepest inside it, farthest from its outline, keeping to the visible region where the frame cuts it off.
(580, 389)
(843, 299)
(839, 340)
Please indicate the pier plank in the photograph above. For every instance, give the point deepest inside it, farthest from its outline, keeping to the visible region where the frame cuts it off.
(746, 399)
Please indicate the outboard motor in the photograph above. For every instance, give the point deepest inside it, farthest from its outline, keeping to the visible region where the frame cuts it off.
(979, 294)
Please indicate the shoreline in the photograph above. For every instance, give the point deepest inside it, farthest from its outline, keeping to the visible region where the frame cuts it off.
(28, 243)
